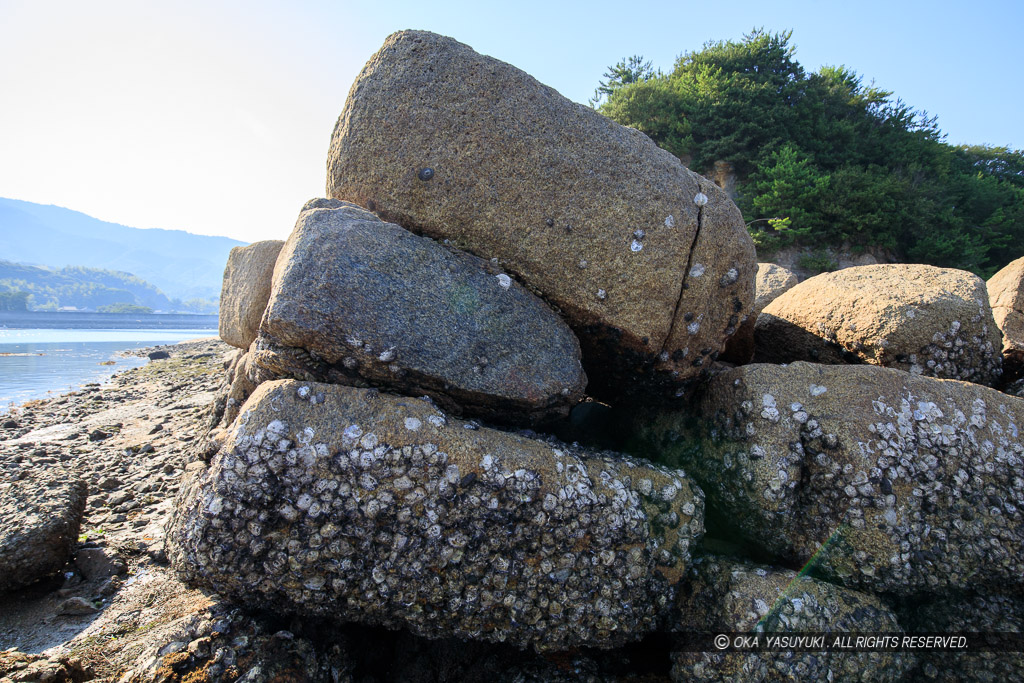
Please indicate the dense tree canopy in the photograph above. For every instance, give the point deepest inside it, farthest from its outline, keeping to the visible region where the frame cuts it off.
(823, 159)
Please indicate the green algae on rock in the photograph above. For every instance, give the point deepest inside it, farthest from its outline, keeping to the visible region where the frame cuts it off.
(346, 503)
(875, 478)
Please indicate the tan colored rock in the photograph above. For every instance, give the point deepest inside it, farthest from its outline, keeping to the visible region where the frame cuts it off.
(245, 291)
(771, 282)
(928, 321)
(588, 213)
(879, 479)
(727, 596)
(1006, 294)
(359, 301)
(350, 504)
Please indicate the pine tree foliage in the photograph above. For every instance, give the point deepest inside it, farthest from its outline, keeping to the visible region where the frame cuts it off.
(824, 159)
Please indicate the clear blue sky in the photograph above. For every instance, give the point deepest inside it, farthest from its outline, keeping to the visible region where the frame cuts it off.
(215, 117)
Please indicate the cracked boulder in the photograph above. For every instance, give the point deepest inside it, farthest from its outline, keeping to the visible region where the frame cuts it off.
(359, 301)
(649, 263)
(771, 282)
(350, 504)
(925, 320)
(1006, 295)
(40, 516)
(875, 478)
(727, 596)
(245, 291)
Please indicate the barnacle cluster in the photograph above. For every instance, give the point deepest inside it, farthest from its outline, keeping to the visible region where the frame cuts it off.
(959, 352)
(403, 518)
(917, 490)
(731, 596)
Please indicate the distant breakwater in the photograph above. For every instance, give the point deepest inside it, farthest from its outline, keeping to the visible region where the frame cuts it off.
(101, 321)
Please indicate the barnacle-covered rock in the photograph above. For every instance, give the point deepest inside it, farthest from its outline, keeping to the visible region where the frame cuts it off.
(649, 262)
(347, 503)
(40, 515)
(770, 283)
(727, 596)
(1006, 294)
(995, 624)
(245, 291)
(928, 321)
(359, 301)
(881, 480)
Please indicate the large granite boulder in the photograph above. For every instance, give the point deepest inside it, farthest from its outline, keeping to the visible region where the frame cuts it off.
(650, 263)
(770, 283)
(40, 516)
(873, 477)
(359, 301)
(350, 504)
(1006, 295)
(727, 596)
(245, 291)
(929, 321)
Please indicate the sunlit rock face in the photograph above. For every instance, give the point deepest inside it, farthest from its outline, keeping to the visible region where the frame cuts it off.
(245, 291)
(929, 321)
(649, 263)
(1006, 294)
(350, 504)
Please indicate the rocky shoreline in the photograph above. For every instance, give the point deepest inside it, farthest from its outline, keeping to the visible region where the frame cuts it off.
(367, 487)
(116, 611)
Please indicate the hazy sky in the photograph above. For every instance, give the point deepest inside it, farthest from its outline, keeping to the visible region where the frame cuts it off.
(215, 117)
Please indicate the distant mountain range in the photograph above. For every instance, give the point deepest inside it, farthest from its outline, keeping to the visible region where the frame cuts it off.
(184, 266)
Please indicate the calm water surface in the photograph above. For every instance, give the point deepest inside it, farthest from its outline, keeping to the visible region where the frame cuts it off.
(36, 363)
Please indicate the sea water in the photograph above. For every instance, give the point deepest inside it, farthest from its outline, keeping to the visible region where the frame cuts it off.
(36, 363)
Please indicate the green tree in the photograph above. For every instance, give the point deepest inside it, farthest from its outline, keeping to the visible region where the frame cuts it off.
(787, 185)
(823, 159)
(14, 301)
(122, 307)
(629, 70)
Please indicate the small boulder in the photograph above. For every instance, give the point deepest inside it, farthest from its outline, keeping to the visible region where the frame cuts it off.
(726, 596)
(245, 291)
(650, 263)
(1006, 294)
(336, 502)
(872, 477)
(76, 607)
(771, 282)
(929, 321)
(97, 563)
(158, 355)
(359, 301)
(40, 517)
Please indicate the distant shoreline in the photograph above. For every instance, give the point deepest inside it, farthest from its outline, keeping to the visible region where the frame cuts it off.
(116, 321)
